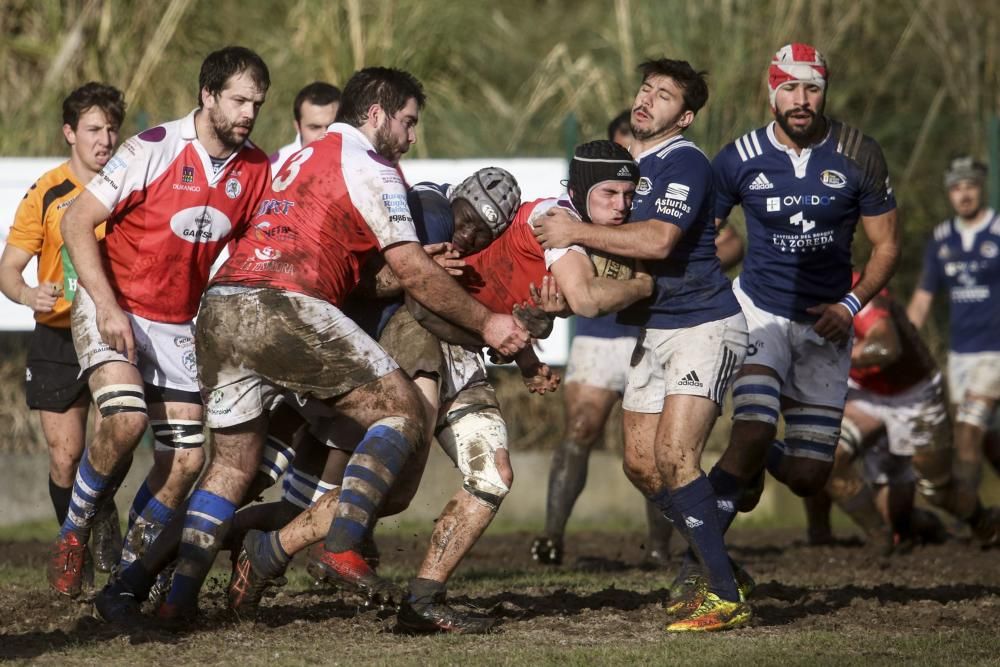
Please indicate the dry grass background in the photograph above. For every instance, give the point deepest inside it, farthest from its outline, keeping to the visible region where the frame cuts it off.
(921, 76)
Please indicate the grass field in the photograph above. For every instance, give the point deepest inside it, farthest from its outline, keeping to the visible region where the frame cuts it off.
(838, 605)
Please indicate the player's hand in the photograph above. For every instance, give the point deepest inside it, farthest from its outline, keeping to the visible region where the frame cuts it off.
(504, 334)
(540, 379)
(534, 319)
(41, 299)
(549, 298)
(644, 278)
(834, 323)
(447, 257)
(116, 330)
(557, 228)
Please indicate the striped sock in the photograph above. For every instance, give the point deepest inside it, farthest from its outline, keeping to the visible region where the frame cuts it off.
(205, 524)
(142, 497)
(697, 504)
(369, 475)
(302, 489)
(89, 488)
(276, 459)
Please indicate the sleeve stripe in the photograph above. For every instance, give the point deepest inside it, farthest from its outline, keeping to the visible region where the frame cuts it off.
(739, 149)
(756, 144)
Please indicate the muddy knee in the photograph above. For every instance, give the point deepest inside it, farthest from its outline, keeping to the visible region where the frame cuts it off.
(806, 478)
(476, 440)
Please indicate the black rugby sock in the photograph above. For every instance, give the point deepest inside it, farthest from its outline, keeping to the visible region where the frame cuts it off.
(60, 497)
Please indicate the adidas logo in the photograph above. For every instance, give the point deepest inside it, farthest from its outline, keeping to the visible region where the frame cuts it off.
(624, 172)
(691, 380)
(693, 522)
(726, 506)
(761, 183)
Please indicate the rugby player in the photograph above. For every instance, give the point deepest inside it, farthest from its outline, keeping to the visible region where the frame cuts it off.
(470, 426)
(315, 109)
(895, 387)
(962, 257)
(270, 324)
(694, 335)
(173, 196)
(804, 182)
(595, 380)
(92, 116)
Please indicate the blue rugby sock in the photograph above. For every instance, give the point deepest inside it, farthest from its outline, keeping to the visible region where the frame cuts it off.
(364, 488)
(142, 497)
(89, 489)
(728, 488)
(696, 503)
(207, 519)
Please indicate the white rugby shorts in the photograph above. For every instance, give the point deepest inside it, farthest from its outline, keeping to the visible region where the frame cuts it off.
(975, 372)
(697, 361)
(913, 419)
(164, 351)
(812, 370)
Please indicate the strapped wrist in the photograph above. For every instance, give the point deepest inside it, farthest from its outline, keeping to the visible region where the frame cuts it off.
(851, 302)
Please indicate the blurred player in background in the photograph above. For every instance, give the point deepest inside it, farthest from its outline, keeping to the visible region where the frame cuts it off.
(963, 256)
(92, 117)
(315, 109)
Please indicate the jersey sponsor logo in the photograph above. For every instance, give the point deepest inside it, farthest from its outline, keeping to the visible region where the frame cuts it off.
(187, 174)
(183, 341)
(188, 188)
(690, 380)
(988, 249)
(644, 187)
(672, 207)
(396, 204)
(265, 231)
(275, 207)
(808, 200)
(390, 177)
(799, 220)
(113, 165)
(267, 254)
(200, 224)
(233, 188)
(773, 204)
(677, 191)
(832, 178)
(761, 183)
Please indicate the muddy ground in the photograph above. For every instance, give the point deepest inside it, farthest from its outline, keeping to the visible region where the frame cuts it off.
(950, 591)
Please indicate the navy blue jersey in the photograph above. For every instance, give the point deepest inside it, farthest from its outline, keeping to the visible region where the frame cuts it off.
(605, 326)
(801, 212)
(676, 188)
(966, 263)
(434, 222)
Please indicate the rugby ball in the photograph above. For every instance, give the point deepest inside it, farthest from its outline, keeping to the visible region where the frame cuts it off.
(612, 266)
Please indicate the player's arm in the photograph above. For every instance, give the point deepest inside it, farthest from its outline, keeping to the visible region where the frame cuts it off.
(84, 214)
(728, 245)
(919, 307)
(427, 282)
(644, 239)
(592, 296)
(40, 299)
(378, 280)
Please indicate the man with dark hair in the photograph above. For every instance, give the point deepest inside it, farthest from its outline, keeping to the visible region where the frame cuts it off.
(271, 324)
(173, 196)
(595, 380)
(963, 258)
(315, 109)
(92, 115)
(693, 336)
(804, 182)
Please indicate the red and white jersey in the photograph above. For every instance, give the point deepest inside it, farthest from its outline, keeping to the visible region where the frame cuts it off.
(499, 275)
(331, 207)
(171, 215)
(914, 364)
(280, 156)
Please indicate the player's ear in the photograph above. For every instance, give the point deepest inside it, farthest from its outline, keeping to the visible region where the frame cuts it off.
(69, 133)
(686, 119)
(376, 115)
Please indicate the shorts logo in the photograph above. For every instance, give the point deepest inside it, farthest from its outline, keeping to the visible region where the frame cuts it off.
(267, 254)
(726, 506)
(489, 213)
(677, 191)
(754, 347)
(693, 522)
(761, 183)
(645, 186)
(690, 380)
(988, 249)
(189, 361)
(233, 188)
(187, 175)
(833, 179)
(183, 341)
(201, 224)
(773, 204)
(27, 375)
